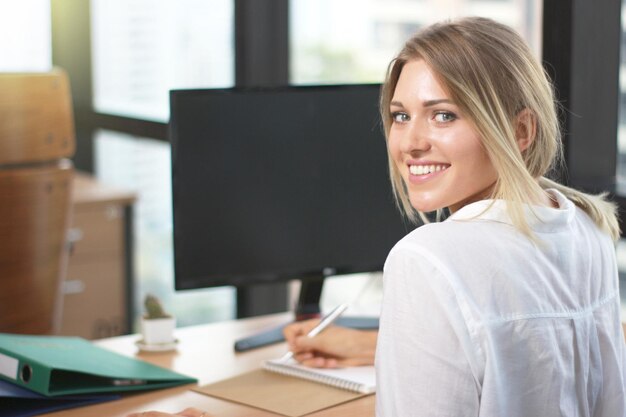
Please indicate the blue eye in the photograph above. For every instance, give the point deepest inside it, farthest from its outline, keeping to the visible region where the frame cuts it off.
(444, 117)
(399, 117)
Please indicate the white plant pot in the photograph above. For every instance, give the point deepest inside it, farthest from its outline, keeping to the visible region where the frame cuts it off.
(158, 331)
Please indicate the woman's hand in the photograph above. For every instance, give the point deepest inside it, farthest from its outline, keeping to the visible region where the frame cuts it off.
(334, 347)
(187, 412)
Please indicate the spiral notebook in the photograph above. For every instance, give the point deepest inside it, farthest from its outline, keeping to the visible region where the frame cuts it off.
(361, 379)
(282, 394)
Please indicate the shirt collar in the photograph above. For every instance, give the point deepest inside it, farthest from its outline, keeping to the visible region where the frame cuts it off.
(540, 218)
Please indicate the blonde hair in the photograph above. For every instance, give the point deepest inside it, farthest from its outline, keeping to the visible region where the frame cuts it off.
(492, 76)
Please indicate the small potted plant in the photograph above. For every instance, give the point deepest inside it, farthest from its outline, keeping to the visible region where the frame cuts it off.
(157, 327)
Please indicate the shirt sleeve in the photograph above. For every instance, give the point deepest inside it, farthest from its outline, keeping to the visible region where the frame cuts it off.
(422, 359)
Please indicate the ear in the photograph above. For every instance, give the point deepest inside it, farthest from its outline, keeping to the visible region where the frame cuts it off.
(525, 129)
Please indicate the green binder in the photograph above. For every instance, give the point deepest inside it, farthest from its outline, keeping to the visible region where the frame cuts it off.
(54, 366)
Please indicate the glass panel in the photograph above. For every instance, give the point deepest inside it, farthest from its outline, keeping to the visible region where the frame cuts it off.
(621, 131)
(621, 266)
(352, 41)
(621, 157)
(363, 292)
(143, 48)
(25, 38)
(143, 166)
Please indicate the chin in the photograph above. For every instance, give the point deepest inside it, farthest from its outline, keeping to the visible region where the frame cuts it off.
(425, 206)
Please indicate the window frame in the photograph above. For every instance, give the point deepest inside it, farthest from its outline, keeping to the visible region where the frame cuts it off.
(577, 35)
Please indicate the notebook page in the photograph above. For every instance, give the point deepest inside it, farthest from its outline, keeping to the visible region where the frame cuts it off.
(356, 378)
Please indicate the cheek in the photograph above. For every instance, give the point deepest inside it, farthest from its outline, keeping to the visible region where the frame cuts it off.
(470, 151)
(392, 139)
(482, 170)
(474, 167)
(482, 161)
(393, 147)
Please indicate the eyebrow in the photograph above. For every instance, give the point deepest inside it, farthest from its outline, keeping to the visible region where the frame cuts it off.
(430, 103)
(427, 103)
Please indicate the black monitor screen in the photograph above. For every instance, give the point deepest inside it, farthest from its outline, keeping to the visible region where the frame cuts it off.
(276, 184)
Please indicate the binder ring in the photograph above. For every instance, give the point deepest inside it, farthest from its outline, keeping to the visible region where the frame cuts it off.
(26, 373)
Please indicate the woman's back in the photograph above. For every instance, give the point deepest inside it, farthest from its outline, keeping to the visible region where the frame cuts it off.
(499, 325)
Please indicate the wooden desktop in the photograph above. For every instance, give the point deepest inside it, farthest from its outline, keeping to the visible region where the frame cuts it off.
(206, 353)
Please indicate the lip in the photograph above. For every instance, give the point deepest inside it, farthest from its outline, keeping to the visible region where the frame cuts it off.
(419, 179)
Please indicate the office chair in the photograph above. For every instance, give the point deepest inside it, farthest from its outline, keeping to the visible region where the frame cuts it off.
(36, 138)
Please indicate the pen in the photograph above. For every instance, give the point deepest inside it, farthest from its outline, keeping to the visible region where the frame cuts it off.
(324, 323)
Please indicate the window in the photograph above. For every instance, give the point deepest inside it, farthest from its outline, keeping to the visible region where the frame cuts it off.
(621, 131)
(352, 41)
(143, 48)
(621, 154)
(25, 39)
(143, 165)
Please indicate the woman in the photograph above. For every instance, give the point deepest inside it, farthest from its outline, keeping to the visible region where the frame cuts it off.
(510, 307)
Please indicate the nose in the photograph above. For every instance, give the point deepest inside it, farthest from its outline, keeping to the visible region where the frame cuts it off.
(415, 139)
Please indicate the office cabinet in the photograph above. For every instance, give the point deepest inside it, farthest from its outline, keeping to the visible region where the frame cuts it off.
(98, 284)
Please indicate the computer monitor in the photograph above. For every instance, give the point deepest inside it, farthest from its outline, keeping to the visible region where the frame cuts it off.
(273, 184)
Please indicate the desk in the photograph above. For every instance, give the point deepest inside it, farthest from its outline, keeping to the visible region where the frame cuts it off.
(206, 353)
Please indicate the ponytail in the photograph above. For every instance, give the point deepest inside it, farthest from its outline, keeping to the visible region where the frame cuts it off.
(602, 212)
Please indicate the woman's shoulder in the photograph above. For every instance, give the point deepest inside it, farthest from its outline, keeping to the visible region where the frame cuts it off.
(455, 247)
(449, 234)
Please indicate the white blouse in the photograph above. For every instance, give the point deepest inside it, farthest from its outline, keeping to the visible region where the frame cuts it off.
(477, 320)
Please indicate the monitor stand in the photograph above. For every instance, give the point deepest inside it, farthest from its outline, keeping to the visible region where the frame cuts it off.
(308, 307)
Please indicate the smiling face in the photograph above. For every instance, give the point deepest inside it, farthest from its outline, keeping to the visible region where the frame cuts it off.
(434, 146)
